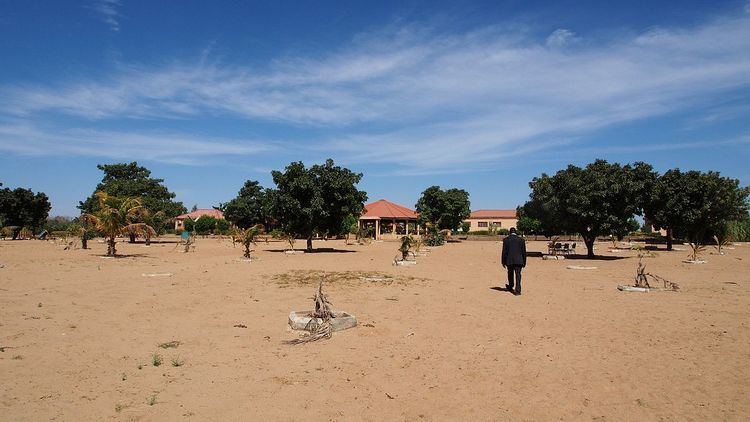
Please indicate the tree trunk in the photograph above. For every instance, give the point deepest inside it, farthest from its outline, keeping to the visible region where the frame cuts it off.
(589, 242)
(669, 239)
(148, 241)
(16, 233)
(111, 251)
(309, 243)
(132, 237)
(84, 243)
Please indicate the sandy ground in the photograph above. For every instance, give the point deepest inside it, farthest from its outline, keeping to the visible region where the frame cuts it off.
(78, 333)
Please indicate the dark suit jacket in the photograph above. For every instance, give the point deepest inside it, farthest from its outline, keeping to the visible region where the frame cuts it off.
(514, 251)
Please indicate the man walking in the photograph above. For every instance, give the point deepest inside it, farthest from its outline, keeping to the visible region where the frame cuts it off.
(514, 258)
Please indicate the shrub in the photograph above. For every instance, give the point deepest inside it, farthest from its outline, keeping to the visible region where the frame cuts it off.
(503, 232)
(189, 225)
(465, 227)
(223, 226)
(205, 225)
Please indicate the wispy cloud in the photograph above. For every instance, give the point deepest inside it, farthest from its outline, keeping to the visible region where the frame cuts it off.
(25, 139)
(108, 12)
(421, 99)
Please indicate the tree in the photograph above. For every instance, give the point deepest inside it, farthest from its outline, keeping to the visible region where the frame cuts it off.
(316, 200)
(251, 206)
(527, 225)
(599, 199)
(446, 209)
(205, 225)
(189, 225)
(694, 204)
(21, 208)
(116, 217)
(247, 237)
(133, 181)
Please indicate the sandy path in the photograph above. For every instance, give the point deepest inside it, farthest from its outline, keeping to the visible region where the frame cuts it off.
(572, 347)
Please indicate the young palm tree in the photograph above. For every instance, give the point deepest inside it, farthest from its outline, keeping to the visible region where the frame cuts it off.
(116, 217)
(405, 247)
(247, 237)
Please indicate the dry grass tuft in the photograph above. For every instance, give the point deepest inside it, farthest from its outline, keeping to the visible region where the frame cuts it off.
(339, 278)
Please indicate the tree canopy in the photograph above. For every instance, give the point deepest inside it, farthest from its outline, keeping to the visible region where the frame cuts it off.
(316, 200)
(445, 209)
(251, 206)
(695, 204)
(23, 208)
(600, 199)
(133, 181)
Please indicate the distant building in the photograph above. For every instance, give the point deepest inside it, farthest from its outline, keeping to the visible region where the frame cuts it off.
(482, 219)
(179, 221)
(388, 220)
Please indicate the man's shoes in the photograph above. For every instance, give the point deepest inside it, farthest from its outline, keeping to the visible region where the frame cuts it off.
(508, 287)
(517, 293)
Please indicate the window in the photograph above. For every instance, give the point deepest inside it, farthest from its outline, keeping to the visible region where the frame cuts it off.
(497, 223)
(482, 224)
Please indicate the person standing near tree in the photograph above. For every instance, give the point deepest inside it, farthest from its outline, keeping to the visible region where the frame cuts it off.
(514, 259)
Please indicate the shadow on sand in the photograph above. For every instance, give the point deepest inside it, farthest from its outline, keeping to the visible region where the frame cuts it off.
(502, 289)
(316, 250)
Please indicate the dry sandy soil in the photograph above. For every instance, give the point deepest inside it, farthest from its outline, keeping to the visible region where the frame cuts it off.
(438, 343)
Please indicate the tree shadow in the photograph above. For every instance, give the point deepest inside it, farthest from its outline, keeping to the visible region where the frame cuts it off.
(316, 250)
(597, 257)
(121, 256)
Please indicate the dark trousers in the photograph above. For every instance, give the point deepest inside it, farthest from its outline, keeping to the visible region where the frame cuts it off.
(514, 270)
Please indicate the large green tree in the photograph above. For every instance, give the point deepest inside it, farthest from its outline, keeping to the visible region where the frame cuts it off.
(599, 199)
(253, 205)
(695, 204)
(133, 181)
(316, 200)
(23, 208)
(445, 209)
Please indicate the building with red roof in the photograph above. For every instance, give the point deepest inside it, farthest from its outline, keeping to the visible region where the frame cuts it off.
(179, 221)
(389, 220)
(500, 219)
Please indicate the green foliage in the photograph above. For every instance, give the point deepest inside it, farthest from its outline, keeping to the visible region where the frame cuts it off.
(23, 208)
(350, 225)
(503, 232)
(117, 216)
(599, 199)
(57, 224)
(189, 225)
(446, 209)
(405, 247)
(433, 236)
(133, 181)
(739, 230)
(253, 205)
(223, 226)
(465, 227)
(247, 237)
(316, 200)
(696, 204)
(528, 225)
(205, 224)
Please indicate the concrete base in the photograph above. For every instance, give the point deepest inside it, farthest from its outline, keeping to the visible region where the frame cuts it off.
(299, 320)
(156, 274)
(248, 259)
(295, 252)
(579, 267)
(376, 279)
(404, 263)
(552, 257)
(624, 288)
(688, 261)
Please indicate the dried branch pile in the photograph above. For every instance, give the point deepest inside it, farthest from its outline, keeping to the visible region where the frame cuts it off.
(318, 330)
(641, 279)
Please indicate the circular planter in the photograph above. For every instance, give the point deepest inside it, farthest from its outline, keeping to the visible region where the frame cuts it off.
(300, 320)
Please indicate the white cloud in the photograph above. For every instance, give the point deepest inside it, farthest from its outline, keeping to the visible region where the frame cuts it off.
(560, 37)
(108, 12)
(423, 100)
(24, 139)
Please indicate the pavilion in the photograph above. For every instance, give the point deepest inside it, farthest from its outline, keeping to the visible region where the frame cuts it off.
(389, 220)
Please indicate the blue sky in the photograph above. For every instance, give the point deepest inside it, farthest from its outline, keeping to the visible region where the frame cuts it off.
(478, 95)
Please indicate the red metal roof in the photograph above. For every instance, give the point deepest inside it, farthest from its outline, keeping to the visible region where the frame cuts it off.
(387, 209)
(200, 213)
(493, 214)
